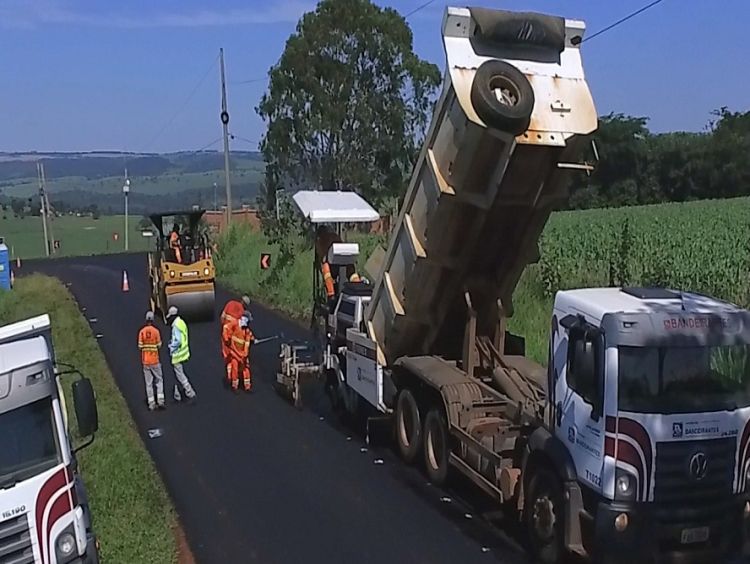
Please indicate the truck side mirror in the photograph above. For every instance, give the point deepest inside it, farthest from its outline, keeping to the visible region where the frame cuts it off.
(84, 404)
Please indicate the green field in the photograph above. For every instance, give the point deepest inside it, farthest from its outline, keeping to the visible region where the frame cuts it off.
(132, 514)
(700, 246)
(149, 185)
(77, 235)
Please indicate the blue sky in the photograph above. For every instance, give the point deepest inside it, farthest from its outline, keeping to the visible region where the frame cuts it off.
(104, 75)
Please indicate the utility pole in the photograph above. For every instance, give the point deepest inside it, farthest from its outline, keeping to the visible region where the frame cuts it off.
(47, 208)
(225, 127)
(44, 207)
(126, 191)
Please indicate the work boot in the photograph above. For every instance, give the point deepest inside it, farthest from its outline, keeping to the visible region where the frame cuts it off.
(151, 407)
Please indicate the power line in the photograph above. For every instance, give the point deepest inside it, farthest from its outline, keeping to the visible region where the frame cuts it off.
(182, 107)
(418, 8)
(233, 136)
(251, 81)
(626, 18)
(211, 144)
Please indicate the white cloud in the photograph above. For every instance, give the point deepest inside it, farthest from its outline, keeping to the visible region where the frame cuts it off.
(30, 14)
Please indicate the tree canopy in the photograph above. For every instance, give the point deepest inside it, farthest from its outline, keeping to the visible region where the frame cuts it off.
(638, 167)
(347, 104)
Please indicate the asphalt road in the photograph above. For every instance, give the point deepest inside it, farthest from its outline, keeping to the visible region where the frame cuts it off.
(255, 480)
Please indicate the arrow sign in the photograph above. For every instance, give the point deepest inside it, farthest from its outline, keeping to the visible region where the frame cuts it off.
(265, 261)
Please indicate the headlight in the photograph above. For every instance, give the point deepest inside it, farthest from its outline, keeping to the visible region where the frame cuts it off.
(171, 273)
(625, 485)
(206, 272)
(66, 544)
(66, 547)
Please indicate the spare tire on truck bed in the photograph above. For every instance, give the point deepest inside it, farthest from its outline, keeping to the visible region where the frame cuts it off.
(513, 113)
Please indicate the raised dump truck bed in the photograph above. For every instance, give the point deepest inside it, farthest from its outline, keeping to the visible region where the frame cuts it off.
(508, 124)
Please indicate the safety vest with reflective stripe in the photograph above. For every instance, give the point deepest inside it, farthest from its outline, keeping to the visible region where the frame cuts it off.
(149, 341)
(327, 279)
(182, 354)
(237, 339)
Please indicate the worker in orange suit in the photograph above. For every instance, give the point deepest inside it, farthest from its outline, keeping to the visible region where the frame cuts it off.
(149, 343)
(174, 243)
(238, 337)
(232, 311)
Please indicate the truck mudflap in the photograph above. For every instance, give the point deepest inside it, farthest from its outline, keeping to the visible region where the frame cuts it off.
(542, 442)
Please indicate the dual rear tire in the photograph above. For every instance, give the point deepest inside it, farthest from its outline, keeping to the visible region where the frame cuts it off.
(427, 436)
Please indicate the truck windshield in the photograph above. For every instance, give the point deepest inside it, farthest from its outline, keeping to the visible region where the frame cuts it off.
(683, 379)
(28, 443)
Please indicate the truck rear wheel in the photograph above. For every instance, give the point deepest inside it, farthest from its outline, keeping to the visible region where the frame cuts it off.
(544, 517)
(408, 426)
(436, 446)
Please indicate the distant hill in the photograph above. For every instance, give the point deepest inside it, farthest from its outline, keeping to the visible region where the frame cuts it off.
(157, 180)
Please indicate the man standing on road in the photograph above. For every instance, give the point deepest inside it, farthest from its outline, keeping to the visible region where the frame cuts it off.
(232, 311)
(237, 337)
(180, 351)
(149, 343)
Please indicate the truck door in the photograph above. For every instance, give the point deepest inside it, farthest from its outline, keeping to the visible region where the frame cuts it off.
(578, 357)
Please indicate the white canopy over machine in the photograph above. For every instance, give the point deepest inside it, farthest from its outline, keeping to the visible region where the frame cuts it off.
(334, 207)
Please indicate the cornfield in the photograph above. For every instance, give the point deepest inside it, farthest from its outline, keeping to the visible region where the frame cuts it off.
(697, 246)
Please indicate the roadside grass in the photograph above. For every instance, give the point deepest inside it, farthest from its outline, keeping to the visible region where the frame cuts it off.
(132, 514)
(77, 235)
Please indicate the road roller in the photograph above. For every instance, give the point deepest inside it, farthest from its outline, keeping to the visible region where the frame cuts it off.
(181, 270)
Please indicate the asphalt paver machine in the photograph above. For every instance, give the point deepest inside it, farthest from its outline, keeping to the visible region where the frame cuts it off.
(338, 302)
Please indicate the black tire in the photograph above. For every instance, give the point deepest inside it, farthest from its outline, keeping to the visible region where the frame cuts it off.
(436, 446)
(408, 426)
(544, 517)
(513, 114)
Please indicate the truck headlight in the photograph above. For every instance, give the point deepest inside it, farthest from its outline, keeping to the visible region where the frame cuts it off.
(171, 273)
(66, 544)
(206, 272)
(66, 547)
(625, 485)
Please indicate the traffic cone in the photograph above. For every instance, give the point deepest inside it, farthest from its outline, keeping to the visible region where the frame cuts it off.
(125, 286)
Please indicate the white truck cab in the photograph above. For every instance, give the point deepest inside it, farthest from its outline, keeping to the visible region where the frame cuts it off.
(44, 515)
(650, 392)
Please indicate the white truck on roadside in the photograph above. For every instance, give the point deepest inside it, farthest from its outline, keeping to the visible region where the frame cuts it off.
(44, 513)
(634, 442)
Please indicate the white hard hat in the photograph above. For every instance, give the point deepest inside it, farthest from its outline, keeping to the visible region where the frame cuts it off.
(149, 316)
(172, 311)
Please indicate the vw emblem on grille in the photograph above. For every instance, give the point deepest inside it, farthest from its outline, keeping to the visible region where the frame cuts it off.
(698, 466)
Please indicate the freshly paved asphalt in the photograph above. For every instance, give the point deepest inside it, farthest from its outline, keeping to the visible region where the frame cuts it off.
(255, 480)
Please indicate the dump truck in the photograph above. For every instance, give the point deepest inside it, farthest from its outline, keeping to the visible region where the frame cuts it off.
(633, 444)
(44, 511)
(186, 281)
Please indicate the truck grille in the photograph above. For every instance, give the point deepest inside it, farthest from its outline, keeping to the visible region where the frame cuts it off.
(681, 500)
(15, 541)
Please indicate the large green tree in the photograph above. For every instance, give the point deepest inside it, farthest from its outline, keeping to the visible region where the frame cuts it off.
(347, 105)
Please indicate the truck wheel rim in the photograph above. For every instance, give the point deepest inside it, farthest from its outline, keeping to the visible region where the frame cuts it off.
(434, 449)
(505, 91)
(544, 519)
(405, 427)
